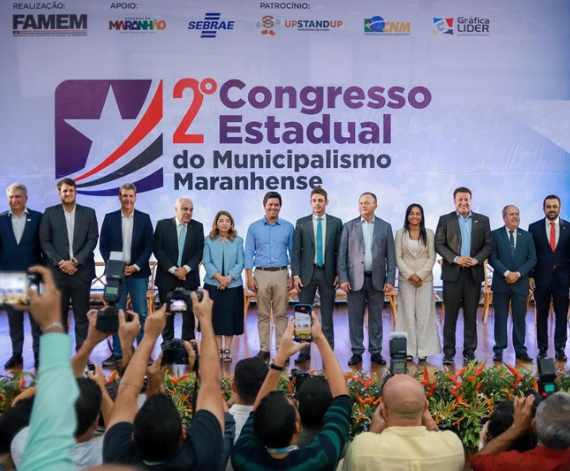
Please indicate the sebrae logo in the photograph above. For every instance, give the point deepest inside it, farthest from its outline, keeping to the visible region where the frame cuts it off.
(443, 25)
(211, 25)
(106, 134)
(378, 26)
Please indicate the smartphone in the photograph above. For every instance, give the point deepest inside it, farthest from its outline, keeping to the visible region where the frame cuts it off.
(303, 323)
(14, 287)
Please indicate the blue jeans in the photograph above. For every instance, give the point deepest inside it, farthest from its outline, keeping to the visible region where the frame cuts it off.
(136, 288)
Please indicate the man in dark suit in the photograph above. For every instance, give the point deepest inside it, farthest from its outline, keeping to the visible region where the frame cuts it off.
(464, 240)
(313, 262)
(20, 249)
(68, 236)
(129, 231)
(178, 248)
(550, 277)
(512, 259)
(366, 269)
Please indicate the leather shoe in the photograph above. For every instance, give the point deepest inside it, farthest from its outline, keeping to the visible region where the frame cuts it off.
(377, 358)
(523, 357)
(560, 355)
(302, 358)
(447, 360)
(263, 355)
(468, 357)
(111, 361)
(355, 359)
(15, 361)
(542, 353)
(498, 357)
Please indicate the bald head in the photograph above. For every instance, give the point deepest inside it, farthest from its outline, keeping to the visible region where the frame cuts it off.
(404, 400)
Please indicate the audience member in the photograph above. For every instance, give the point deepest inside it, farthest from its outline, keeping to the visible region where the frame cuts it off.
(12, 421)
(404, 435)
(269, 437)
(154, 436)
(552, 428)
(314, 397)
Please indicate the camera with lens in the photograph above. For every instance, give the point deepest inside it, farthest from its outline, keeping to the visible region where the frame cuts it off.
(297, 378)
(174, 353)
(179, 299)
(108, 317)
(546, 376)
(398, 344)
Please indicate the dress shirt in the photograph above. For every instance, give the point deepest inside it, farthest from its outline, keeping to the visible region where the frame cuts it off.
(556, 229)
(127, 223)
(19, 224)
(465, 225)
(70, 224)
(178, 229)
(53, 420)
(324, 227)
(367, 234)
(268, 245)
(514, 235)
(414, 246)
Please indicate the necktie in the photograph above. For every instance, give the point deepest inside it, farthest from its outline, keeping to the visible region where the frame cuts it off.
(512, 242)
(552, 237)
(181, 240)
(319, 242)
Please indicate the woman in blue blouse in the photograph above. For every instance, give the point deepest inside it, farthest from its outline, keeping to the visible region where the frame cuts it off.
(223, 262)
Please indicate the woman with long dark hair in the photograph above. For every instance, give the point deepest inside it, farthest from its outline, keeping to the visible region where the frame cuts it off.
(223, 262)
(415, 258)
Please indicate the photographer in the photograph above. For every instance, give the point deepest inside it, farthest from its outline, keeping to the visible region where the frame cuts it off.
(269, 437)
(402, 432)
(154, 436)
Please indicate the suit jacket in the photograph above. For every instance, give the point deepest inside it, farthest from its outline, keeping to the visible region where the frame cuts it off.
(14, 256)
(350, 261)
(546, 259)
(55, 243)
(502, 259)
(421, 264)
(166, 253)
(232, 252)
(448, 245)
(141, 244)
(304, 248)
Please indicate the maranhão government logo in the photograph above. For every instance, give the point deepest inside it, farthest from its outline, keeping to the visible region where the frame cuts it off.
(107, 134)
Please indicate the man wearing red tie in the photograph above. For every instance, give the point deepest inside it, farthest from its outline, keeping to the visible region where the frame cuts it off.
(550, 277)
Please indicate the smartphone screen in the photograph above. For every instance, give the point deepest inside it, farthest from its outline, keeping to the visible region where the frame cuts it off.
(177, 305)
(13, 287)
(303, 323)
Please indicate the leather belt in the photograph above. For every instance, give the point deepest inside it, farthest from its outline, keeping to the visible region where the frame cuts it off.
(271, 268)
(320, 267)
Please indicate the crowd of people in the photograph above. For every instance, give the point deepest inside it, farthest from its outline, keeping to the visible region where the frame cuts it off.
(318, 254)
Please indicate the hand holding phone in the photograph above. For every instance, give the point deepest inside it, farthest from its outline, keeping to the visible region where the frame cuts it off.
(303, 323)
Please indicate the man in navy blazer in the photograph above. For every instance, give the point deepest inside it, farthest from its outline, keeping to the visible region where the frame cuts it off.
(366, 269)
(178, 248)
(129, 231)
(512, 259)
(68, 236)
(464, 240)
(19, 250)
(310, 272)
(550, 277)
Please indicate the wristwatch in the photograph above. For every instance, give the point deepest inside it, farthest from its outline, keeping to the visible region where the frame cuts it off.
(273, 366)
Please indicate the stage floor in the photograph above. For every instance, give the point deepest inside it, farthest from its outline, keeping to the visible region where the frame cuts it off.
(248, 344)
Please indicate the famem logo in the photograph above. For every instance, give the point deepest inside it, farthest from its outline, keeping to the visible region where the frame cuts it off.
(211, 25)
(443, 25)
(106, 130)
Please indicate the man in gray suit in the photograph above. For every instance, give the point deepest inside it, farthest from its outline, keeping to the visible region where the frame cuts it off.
(464, 240)
(72, 264)
(313, 261)
(366, 269)
(513, 257)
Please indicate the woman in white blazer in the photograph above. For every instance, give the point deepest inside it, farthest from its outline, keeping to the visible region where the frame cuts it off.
(415, 258)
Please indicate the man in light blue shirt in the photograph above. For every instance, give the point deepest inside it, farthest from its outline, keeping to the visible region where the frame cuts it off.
(268, 248)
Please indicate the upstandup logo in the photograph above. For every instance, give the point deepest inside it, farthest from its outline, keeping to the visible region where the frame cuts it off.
(105, 130)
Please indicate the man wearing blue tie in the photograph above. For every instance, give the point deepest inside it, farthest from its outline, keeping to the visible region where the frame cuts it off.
(513, 257)
(20, 249)
(129, 231)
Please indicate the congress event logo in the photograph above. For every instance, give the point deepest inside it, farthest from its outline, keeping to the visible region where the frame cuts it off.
(378, 26)
(55, 24)
(107, 134)
(210, 25)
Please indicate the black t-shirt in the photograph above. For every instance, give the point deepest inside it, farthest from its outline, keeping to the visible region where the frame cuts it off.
(202, 448)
